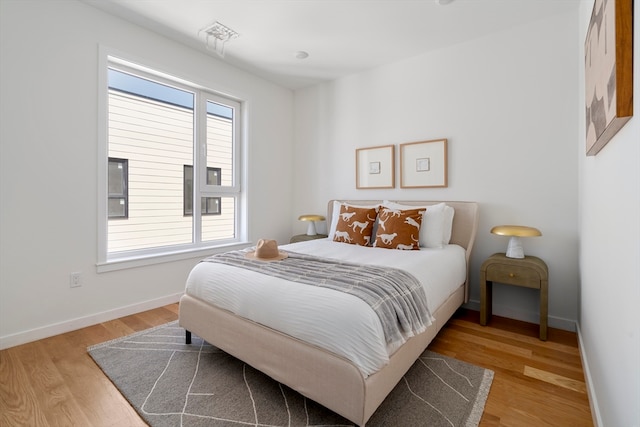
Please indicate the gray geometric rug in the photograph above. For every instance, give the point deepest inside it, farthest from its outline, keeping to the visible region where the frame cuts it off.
(171, 384)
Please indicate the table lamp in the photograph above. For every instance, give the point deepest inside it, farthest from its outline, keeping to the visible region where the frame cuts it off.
(311, 228)
(514, 248)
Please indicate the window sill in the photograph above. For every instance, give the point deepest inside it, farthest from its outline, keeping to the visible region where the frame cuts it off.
(122, 263)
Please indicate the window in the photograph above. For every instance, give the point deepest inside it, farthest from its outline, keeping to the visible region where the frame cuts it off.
(118, 204)
(168, 144)
(210, 205)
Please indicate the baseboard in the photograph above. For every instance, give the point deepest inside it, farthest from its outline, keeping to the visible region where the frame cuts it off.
(82, 322)
(591, 391)
(530, 317)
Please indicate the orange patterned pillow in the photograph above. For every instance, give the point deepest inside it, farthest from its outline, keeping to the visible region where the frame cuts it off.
(399, 229)
(355, 225)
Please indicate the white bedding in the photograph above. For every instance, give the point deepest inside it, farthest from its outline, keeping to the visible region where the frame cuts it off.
(318, 315)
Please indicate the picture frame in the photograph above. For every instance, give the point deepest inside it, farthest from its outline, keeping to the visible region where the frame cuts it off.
(424, 164)
(375, 167)
(608, 72)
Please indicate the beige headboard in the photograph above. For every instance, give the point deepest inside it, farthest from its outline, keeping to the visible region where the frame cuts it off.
(465, 222)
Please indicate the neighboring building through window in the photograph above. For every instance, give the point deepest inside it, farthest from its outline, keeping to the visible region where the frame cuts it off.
(210, 205)
(118, 174)
(158, 129)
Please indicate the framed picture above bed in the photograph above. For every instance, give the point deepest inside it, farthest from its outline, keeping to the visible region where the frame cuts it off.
(608, 71)
(423, 164)
(375, 167)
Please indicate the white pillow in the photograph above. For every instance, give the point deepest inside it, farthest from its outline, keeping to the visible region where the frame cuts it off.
(432, 230)
(336, 213)
(448, 224)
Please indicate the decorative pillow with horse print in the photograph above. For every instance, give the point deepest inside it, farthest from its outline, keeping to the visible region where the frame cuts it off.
(399, 229)
(355, 225)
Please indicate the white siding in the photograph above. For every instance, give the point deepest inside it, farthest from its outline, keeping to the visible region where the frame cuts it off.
(219, 147)
(220, 155)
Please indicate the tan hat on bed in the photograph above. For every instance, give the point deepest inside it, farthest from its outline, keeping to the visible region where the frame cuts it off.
(267, 250)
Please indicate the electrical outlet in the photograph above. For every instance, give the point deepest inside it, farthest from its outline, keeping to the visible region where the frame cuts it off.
(74, 280)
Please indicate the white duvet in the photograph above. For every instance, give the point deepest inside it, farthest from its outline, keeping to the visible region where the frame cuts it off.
(335, 321)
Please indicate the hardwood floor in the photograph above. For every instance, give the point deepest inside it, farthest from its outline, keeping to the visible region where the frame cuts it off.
(536, 383)
(55, 382)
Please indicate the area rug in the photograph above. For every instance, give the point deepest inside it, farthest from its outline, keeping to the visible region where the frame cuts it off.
(170, 383)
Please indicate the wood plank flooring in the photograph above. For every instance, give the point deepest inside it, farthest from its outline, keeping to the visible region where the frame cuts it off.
(536, 383)
(54, 382)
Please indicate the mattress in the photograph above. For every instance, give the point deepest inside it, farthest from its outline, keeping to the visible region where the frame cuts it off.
(318, 315)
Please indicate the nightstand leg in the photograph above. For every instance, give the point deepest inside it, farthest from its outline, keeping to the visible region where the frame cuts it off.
(486, 300)
(544, 308)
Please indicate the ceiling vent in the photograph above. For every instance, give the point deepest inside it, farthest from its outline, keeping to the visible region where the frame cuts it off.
(217, 37)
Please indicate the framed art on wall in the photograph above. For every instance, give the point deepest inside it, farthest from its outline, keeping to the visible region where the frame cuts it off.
(375, 167)
(423, 164)
(608, 71)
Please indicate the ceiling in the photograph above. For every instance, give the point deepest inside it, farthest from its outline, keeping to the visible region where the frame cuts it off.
(342, 37)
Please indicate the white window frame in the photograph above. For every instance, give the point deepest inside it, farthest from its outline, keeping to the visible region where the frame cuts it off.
(130, 259)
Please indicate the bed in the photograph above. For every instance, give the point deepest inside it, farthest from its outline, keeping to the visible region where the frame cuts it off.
(352, 386)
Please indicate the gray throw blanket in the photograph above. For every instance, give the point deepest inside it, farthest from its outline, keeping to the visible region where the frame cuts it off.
(396, 296)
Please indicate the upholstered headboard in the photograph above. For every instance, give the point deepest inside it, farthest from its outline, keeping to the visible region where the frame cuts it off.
(465, 222)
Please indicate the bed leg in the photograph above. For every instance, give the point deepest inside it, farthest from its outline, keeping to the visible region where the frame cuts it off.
(187, 338)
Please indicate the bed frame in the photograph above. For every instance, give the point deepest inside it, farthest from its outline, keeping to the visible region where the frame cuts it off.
(331, 380)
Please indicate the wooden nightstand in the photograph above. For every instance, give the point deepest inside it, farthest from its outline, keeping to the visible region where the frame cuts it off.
(305, 237)
(529, 272)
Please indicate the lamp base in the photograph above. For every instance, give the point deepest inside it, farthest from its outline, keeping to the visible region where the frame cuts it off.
(311, 229)
(514, 248)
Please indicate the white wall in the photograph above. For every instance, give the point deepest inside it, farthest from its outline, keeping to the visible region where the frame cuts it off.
(609, 245)
(49, 111)
(507, 104)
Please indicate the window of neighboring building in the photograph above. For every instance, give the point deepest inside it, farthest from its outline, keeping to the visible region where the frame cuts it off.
(210, 205)
(167, 130)
(118, 204)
